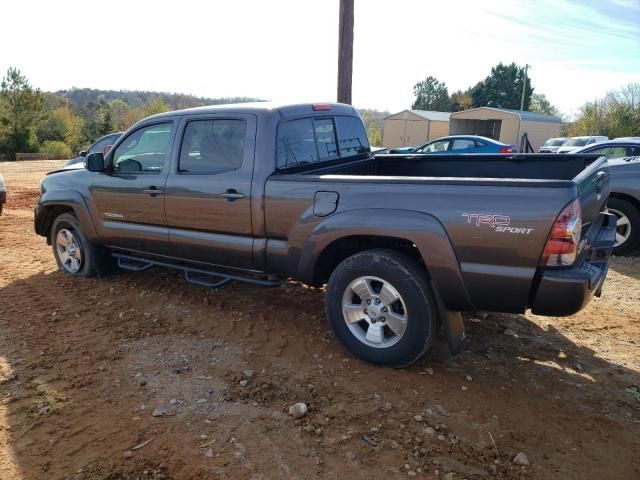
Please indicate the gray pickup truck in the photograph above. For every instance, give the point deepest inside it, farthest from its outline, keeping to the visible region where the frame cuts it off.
(404, 243)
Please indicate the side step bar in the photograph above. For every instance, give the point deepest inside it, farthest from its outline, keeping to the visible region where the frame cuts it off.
(197, 276)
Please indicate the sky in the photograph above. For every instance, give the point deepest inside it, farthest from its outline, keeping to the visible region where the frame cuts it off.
(286, 50)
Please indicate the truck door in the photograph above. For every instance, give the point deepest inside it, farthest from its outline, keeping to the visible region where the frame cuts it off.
(128, 201)
(208, 201)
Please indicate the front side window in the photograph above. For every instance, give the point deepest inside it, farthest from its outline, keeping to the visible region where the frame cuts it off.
(439, 146)
(212, 146)
(144, 151)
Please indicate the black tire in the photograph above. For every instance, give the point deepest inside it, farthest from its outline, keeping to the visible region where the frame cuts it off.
(409, 281)
(88, 262)
(633, 214)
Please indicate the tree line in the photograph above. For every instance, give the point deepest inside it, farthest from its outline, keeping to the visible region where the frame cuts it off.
(62, 123)
(615, 115)
(502, 88)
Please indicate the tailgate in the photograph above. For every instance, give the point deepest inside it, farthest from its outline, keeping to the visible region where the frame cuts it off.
(593, 192)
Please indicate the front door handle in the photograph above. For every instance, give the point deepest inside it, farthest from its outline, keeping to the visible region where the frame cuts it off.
(232, 195)
(153, 191)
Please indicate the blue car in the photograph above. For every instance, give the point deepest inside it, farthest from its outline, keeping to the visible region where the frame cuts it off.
(458, 144)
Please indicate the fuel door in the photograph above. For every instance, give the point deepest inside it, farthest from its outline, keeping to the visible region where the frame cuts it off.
(325, 203)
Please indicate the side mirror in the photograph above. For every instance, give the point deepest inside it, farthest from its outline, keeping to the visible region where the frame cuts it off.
(83, 153)
(95, 162)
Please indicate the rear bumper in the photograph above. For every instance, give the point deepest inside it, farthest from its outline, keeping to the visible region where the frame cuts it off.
(563, 292)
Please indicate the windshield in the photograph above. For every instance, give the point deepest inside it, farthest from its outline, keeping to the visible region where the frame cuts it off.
(103, 142)
(554, 142)
(576, 142)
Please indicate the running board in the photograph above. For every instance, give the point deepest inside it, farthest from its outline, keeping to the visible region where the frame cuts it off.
(197, 276)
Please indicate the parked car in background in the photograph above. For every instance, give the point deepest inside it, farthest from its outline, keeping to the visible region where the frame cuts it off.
(552, 145)
(458, 144)
(3, 193)
(98, 146)
(624, 202)
(574, 143)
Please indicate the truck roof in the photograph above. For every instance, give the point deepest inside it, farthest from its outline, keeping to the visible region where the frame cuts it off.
(262, 108)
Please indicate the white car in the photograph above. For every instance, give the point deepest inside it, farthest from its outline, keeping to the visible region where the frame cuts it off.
(574, 143)
(552, 145)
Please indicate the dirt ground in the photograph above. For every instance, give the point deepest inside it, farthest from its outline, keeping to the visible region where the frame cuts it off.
(138, 377)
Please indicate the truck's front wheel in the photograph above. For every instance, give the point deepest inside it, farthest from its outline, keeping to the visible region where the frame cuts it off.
(381, 308)
(72, 251)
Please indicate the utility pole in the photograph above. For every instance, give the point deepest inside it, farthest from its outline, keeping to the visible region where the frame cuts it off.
(345, 51)
(524, 85)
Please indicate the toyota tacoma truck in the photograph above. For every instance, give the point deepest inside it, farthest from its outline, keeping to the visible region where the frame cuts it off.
(404, 243)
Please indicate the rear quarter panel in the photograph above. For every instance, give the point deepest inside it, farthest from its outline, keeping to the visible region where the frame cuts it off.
(496, 233)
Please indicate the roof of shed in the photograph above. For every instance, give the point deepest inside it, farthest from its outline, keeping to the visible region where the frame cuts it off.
(426, 114)
(524, 115)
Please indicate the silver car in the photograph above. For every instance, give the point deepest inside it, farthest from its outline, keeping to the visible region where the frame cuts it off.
(552, 145)
(624, 202)
(575, 143)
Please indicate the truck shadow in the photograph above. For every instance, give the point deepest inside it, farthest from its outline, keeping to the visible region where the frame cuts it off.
(68, 393)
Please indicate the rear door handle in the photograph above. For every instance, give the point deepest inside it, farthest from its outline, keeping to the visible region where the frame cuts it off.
(153, 191)
(232, 195)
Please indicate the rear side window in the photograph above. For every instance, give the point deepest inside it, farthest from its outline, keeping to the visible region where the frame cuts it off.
(212, 146)
(611, 152)
(310, 140)
(463, 144)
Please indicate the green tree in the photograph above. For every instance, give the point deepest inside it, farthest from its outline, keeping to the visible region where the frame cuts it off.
(540, 103)
(615, 115)
(461, 101)
(119, 111)
(502, 88)
(20, 109)
(105, 123)
(431, 94)
(61, 125)
(155, 105)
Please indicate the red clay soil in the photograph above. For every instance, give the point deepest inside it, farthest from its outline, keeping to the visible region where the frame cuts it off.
(138, 376)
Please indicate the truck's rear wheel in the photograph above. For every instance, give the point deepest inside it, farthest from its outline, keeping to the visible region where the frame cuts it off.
(381, 308)
(72, 251)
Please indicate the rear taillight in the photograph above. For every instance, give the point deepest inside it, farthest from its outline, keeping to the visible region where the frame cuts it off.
(561, 248)
(506, 150)
(321, 107)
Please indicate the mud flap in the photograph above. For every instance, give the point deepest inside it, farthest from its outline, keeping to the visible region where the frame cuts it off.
(454, 331)
(452, 325)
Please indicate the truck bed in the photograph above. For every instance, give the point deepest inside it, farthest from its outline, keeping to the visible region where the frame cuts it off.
(453, 191)
(519, 166)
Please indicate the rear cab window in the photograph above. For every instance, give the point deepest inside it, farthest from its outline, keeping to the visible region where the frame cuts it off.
(319, 139)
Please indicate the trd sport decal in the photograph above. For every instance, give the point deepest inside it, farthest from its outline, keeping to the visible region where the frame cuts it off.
(500, 223)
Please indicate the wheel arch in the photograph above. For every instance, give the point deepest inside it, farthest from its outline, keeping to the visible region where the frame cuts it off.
(56, 202)
(418, 235)
(629, 198)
